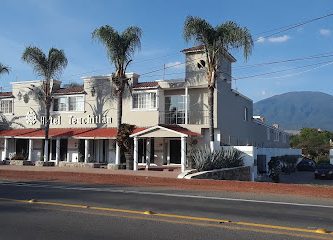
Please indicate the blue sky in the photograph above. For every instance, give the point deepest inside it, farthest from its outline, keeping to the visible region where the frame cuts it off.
(68, 25)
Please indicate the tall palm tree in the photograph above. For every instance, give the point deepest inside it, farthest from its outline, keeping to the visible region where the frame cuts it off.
(216, 41)
(48, 67)
(4, 69)
(120, 48)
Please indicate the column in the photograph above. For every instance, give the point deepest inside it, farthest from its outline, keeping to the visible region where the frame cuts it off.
(186, 105)
(183, 153)
(148, 151)
(5, 148)
(57, 156)
(97, 150)
(136, 154)
(117, 162)
(86, 150)
(30, 149)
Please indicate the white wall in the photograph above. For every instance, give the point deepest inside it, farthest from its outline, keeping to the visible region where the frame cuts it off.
(249, 158)
(250, 155)
(331, 156)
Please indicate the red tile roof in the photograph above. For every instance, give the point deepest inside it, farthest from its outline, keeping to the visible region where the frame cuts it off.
(102, 133)
(16, 132)
(6, 94)
(98, 133)
(194, 49)
(202, 48)
(146, 85)
(180, 129)
(69, 90)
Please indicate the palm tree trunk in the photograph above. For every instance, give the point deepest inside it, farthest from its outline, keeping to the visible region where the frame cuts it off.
(47, 126)
(211, 116)
(119, 116)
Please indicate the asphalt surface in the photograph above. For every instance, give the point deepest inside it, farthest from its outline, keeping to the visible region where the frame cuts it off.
(117, 212)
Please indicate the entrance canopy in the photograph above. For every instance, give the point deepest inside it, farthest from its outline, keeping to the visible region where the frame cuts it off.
(80, 133)
(161, 131)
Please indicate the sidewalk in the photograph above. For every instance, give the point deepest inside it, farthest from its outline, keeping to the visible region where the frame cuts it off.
(144, 173)
(155, 179)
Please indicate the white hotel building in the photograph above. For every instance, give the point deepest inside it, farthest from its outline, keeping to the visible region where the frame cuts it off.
(170, 118)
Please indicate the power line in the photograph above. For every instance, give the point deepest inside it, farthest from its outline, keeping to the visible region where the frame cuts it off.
(292, 26)
(279, 30)
(283, 70)
(316, 56)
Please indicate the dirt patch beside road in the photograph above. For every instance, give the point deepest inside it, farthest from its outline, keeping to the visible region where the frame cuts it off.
(147, 181)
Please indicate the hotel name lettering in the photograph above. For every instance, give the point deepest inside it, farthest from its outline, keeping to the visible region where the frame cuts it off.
(73, 120)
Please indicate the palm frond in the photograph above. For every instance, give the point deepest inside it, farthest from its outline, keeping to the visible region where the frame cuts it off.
(4, 69)
(48, 67)
(57, 62)
(197, 29)
(120, 47)
(230, 34)
(37, 59)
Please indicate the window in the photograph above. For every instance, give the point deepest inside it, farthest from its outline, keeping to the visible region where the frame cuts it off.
(277, 136)
(268, 134)
(6, 106)
(68, 104)
(144, 100)
(175, 109)
(246, 114)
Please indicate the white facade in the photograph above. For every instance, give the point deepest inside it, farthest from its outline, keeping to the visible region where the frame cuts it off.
(83, 119)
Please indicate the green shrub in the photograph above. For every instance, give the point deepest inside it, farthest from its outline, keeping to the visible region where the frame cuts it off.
(274, 168)
(205, 160)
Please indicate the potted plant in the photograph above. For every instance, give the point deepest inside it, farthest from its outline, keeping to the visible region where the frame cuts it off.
(126, 143)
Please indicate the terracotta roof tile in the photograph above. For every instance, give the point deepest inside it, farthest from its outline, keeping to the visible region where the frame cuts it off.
(146, 85)
(102, 133)
(6, 94)
(69, 90)
(180, 129)
(194, 49)
(201, 48)
(98, 133)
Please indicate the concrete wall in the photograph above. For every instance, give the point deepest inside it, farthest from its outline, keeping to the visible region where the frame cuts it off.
(251, 153)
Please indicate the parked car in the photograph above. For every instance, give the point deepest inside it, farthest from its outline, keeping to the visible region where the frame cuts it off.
(324, 170)
(306, 164)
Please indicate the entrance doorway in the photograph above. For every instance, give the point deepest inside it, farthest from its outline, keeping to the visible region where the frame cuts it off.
(63, 149)
(175, 156)
(22, 147)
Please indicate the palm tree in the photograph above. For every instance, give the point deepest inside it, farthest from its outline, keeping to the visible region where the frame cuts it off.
(4, 69)
(216, 42)
(120, 48)
(48, 67)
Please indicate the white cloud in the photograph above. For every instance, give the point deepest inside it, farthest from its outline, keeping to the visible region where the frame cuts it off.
(261, 39)
(279, 39)
(325, 32)
(263, 92)
(175, 65)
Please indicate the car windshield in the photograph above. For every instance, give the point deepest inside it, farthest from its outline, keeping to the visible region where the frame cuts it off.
(325, 166)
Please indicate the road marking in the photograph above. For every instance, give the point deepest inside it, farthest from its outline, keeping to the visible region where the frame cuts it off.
(162, 194)
(199, 221)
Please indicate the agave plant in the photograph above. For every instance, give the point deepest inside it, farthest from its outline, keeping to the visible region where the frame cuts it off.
(205, 160)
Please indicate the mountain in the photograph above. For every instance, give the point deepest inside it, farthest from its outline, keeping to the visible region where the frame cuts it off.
(295, 110)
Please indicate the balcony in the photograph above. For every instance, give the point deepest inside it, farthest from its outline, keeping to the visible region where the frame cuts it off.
(178, 117)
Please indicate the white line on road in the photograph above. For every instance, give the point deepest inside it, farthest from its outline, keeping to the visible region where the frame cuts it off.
(160, 194)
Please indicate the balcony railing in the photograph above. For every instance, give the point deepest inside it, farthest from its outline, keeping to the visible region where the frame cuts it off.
(178, 117)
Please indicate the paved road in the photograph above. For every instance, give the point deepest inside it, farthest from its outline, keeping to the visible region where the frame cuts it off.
(304, 177)
(115, 212)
